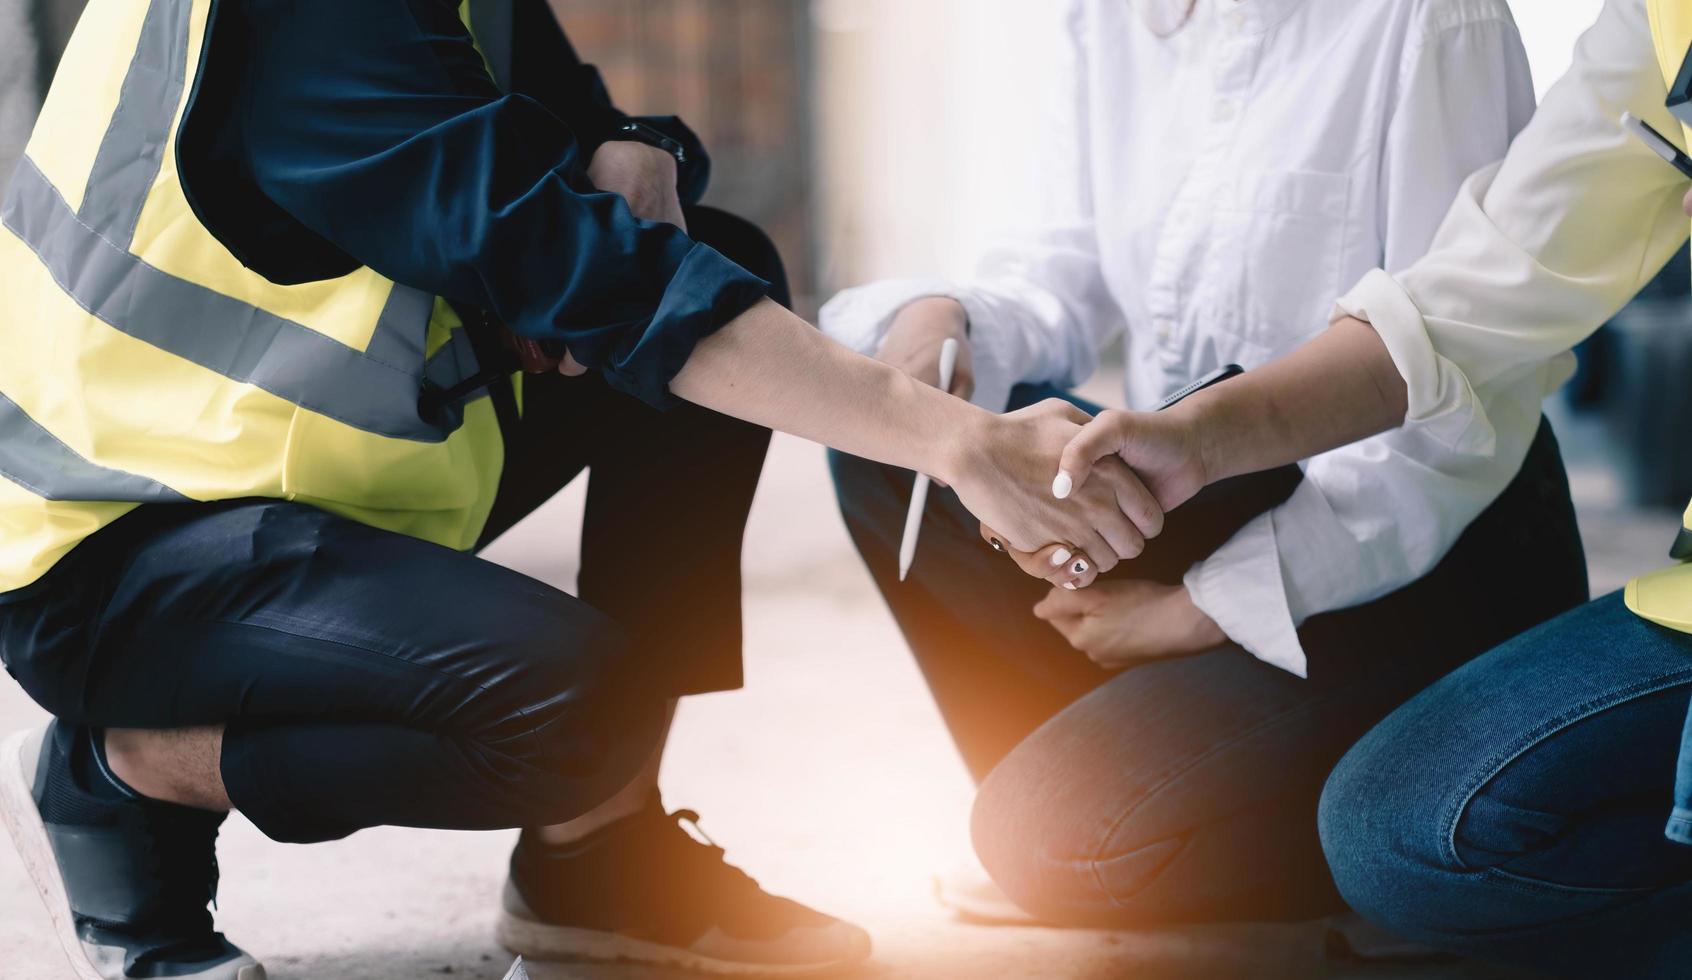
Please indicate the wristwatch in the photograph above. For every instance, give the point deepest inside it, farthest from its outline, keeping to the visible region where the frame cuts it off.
(639, 132)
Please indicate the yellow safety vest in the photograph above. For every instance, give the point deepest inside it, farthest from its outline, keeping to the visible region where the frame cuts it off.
(141, 362)
(1665, 596)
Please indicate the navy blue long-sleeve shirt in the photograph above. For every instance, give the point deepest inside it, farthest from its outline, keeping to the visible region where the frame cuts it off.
(326, 134)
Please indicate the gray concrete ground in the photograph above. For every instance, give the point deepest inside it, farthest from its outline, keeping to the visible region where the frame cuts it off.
(829, 778)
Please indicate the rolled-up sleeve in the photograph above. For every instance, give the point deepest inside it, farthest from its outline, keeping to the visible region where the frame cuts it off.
(376, 125)
(1541, 250)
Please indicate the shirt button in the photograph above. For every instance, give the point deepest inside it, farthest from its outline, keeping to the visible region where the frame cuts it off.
(1224, 112)
(1165, 330)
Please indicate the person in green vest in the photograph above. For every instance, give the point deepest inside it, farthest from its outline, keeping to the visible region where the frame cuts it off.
(1525, 808)
(266, 271)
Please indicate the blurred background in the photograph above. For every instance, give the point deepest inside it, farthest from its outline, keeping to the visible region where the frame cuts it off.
(868, 137)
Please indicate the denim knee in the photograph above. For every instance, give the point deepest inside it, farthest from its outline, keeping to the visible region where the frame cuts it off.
(1381, 847)
(1067, 864)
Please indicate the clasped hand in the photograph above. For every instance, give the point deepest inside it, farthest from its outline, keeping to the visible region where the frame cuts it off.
(1005, 481)
(644, 177)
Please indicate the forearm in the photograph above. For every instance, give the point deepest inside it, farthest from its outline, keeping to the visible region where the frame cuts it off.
(1338, 388)
(769, 367)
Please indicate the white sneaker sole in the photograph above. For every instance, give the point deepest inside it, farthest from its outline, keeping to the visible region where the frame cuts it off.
(29, 835)
(542, 941)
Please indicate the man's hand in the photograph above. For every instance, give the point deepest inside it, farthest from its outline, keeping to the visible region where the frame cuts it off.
(916, 335)
(643, 175)
(1120, 623)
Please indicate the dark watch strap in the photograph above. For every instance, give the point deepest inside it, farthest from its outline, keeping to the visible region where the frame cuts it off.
(639, 132)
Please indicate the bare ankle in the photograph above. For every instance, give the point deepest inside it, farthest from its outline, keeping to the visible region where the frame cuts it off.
(180, 765)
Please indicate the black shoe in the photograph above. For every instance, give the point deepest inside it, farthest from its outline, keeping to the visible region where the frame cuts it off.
(125, 880)
(645, 890)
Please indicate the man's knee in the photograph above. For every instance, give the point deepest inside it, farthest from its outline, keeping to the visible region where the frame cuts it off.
(745, 244)
(567, 724)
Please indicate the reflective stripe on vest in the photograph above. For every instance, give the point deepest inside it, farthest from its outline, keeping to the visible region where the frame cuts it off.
(143, 364)
(374, 389)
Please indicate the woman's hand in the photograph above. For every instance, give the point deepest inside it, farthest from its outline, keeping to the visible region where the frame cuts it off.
(1124, 622)
(916, 335)
(1000, 472)
(1162, 448)
(1056, 563)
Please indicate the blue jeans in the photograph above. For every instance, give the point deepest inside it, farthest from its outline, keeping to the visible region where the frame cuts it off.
(1184, 790)
(1515, 809)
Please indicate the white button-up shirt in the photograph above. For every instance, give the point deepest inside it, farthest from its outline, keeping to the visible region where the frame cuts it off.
(1537, 251)
(1209, 194)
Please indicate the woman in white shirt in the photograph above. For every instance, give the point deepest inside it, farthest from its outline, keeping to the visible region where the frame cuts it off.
(1526, 807)
(1216, 175)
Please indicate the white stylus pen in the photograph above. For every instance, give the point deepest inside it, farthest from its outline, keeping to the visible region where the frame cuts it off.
(919, 493)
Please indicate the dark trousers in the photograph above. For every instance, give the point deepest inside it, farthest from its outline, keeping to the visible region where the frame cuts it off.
(1185, 789)
(366, 678)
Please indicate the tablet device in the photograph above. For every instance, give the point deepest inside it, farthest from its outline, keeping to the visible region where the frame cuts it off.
(1680, 93)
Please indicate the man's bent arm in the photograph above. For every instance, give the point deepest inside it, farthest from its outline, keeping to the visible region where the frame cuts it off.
(377, 126)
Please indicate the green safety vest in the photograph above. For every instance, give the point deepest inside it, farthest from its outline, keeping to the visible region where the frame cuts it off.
(141, 362)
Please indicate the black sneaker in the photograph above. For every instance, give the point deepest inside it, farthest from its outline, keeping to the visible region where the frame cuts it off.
(645, 890)
(126, 881)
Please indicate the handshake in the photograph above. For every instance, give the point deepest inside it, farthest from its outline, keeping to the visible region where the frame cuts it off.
(1067, 495)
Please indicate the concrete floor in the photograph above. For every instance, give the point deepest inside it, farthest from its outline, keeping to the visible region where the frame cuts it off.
(829, 778)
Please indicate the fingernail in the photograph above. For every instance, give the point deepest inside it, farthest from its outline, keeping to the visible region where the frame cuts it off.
(996, 543)
(1070, 586)
(1060, 556)
(1062, 485)
(1080, 566)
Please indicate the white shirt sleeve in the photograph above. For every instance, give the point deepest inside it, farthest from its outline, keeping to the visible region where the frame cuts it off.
(1540, 251)
(1039, 306)
(1377, 515)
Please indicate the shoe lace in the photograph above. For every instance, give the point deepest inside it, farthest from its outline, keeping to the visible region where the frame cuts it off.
(707, 851)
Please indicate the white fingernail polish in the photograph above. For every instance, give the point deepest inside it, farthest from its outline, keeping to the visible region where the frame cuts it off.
(1060, 556)
(1062, 485)
(1070, 586)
